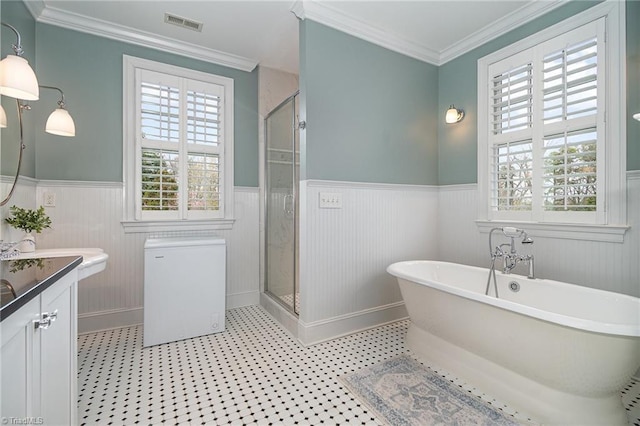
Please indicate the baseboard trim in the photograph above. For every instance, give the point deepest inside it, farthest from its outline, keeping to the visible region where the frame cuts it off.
(92, 322)
(247, 298)
(343, 325)
(108, 320)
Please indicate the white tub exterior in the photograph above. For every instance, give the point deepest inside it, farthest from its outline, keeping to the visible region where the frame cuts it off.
(558, 352)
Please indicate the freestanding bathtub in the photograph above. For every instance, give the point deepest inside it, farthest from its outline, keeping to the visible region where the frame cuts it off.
(558, 352)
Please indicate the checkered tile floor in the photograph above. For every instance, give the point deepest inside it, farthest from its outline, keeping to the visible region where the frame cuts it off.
(253, 373)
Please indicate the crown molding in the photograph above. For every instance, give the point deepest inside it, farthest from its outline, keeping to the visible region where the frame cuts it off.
(331, 17)
(314, 10)
(511, 21)
(53, 16)
(327, 15)
(35, 7)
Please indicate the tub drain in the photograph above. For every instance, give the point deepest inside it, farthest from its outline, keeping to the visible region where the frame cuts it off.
(514, 286)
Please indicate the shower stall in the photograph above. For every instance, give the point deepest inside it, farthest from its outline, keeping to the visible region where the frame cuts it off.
(282, 175)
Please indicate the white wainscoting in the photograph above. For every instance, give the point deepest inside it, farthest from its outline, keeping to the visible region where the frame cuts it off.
(88, 214)
(23, 196)
(605, 265)
(344, 252)
(344, 286)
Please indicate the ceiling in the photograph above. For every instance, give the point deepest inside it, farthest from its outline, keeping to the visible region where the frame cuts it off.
(242, 34)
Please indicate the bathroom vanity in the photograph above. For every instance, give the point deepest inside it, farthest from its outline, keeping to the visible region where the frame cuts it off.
(38, 332)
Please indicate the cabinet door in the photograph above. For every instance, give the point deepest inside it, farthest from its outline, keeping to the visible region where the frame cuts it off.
(16, 361)
(56, 359)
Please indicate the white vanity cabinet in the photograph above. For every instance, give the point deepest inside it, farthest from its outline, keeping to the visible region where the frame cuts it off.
(38, 357)
(17, 361)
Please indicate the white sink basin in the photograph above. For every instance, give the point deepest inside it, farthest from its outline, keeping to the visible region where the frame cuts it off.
(94, 260)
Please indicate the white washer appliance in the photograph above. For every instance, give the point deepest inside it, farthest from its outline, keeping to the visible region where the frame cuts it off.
(184, 288)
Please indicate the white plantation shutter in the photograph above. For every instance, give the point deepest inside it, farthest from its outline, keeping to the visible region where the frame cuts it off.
(569, 180)
(512, 99)
(204, 181)
(203, 118)
(180, 125)
(511, 153)
(572, 152)
(513, 168)
(571, 82)
(159, 183)
(159, 112)
(546, 121)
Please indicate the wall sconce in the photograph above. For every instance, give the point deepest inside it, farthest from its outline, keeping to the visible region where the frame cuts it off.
(17, 80)
(453, 115)
(637, 116)
(59, 121)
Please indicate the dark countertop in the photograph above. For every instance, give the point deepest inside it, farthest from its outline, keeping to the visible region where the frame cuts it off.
(23, 279)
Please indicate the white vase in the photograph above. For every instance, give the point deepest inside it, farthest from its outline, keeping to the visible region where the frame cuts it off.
(27, 244)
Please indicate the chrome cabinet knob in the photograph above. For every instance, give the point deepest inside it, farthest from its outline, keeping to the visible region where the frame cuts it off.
(46, 320)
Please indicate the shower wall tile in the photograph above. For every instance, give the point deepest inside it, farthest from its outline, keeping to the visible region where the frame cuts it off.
(603, 265)
(345, 252)
(88, 214)
(274, 86)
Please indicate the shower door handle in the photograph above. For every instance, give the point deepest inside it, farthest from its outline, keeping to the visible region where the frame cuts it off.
(288, 204)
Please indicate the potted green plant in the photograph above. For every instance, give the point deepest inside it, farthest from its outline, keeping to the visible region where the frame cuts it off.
(29, 221)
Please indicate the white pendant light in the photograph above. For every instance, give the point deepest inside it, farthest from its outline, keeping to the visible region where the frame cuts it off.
(3, 118)
(60, 123)
(17, 79)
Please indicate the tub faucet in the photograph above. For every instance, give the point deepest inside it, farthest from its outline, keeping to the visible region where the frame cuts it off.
(509, 255)
(510, 261)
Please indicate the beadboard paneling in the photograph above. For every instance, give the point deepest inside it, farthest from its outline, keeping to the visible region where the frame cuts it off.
(345, 252)
(23, 196)
(604, 265)
(88, 215)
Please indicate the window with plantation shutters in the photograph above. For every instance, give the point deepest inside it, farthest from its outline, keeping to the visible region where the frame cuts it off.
(512, 99)
(546, 130)
(182, 141)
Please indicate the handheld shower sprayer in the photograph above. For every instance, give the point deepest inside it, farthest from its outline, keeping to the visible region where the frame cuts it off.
(512, 232)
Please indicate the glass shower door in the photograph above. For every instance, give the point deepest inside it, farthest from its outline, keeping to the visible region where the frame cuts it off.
(282, 170)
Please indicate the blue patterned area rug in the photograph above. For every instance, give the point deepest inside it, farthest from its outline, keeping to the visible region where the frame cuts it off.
(401, 391)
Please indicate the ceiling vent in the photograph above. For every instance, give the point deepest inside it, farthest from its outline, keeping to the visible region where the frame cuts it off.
(182, 22)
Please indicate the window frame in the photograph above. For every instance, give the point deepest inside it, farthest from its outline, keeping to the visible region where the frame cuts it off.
(610, 224)
(133, 220)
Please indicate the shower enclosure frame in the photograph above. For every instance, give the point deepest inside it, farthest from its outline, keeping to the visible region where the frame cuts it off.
(293, 308)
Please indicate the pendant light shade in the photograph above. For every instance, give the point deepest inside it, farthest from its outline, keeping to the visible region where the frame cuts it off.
(3, 118)
(60, 123)
(17, 79)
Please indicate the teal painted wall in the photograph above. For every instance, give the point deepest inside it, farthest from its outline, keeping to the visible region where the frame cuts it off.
(16, 14)
(371, 113)
(89, 71)
(457, 144)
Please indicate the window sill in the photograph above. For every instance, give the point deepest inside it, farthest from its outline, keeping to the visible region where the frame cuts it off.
(142, 226)
(568, 231)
